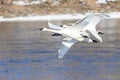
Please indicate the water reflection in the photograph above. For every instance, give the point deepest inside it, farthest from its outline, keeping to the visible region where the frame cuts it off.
(28, 54)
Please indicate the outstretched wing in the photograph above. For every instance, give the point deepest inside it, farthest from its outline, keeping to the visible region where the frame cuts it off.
(95, 20)
(94, 36)
(66, 45)
(53, 26)
(83, 22)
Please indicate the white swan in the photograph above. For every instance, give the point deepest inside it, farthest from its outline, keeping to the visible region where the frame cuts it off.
(82, 30)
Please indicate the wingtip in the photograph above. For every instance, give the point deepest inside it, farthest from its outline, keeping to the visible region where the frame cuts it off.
(60, 56)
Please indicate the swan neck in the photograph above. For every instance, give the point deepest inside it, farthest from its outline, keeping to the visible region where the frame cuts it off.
(51, 30)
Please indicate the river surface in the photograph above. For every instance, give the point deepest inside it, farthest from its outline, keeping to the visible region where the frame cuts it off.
(29, 54)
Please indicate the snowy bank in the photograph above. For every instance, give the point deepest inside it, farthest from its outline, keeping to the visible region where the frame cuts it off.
(22, 3)
(42, 1)
(42, 18)
(114, 14)
(54, 17)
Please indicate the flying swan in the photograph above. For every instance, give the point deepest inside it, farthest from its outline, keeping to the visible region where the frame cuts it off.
(83, 30)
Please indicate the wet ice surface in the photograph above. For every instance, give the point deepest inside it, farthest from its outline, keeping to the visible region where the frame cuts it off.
(28, 54)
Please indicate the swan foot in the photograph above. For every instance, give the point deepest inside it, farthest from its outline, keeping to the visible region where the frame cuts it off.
(41, 29)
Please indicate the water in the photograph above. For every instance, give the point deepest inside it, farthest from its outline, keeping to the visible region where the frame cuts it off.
(28, 54)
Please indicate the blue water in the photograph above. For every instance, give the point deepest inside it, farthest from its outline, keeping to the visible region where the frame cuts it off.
(28, 54)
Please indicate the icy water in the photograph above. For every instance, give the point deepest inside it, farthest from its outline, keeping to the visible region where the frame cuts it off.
(28, 54)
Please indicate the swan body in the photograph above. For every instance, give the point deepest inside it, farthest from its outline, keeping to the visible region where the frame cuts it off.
(83, 30)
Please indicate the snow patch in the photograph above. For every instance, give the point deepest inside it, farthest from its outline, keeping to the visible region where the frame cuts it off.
(101, 1)
(53, 17)
(23, 3)
(114, 15)
(104, 1)
(42, 18)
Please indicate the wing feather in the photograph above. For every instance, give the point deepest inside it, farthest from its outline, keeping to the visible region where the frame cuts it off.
(82, 23)
(66, 45)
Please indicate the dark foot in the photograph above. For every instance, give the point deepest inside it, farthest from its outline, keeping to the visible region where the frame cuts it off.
(100, 32)
(56, 34)
(95, 41)
(84, 36)
(41, 29)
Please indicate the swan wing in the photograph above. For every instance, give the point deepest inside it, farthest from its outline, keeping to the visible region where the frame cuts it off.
(66, 45)
(95, 20)
(94, 36)
(53, 26)
(92, 24)
(83, 22)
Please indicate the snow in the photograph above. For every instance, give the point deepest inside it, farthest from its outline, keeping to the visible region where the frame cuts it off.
(101, 1)
(112, 0)
(42, 18)
(22, 3)
(53, 17)
(104, 1)
(54, 3)
(114, 15)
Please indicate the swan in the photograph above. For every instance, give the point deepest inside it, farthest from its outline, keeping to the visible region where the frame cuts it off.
(83, 30)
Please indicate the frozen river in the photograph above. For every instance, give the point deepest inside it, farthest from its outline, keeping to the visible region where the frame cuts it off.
(28, 54)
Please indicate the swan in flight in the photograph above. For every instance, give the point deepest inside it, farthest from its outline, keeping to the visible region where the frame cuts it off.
(83, 30)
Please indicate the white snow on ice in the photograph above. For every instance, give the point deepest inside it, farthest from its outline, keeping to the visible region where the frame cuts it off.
(42, 18)
(53, 17)
(104, 1)
(22, 3)
(42, 1)
(114, 15)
